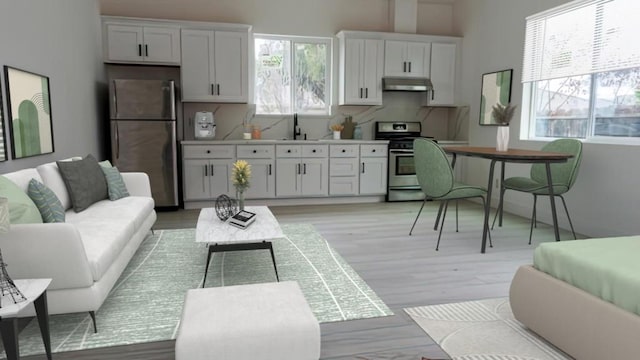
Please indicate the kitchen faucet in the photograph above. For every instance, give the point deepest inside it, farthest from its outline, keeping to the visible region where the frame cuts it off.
(296, 128)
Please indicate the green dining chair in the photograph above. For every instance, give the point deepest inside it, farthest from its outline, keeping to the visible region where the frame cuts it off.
(436, 179)
(563, 176)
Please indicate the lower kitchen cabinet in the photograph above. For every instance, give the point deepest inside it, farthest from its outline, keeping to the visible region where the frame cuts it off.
(302, 177)
(206, 179)
(262, 161)
(373, 169)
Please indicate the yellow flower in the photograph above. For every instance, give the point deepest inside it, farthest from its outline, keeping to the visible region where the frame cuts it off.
(240, 175)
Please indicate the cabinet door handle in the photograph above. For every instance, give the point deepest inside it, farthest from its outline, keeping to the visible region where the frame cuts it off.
(433, 94)
(409, 66)
(404, 66)
(269, 169)
(366, 93)
(360, 93)
(363, 168)
(205, 171)
(218, 89)
(146, 50)
(139, 49)
(298, 169)
(211, 166)
(304, 169)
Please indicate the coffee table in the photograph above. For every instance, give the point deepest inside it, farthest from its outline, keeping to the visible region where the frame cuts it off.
(220, 236)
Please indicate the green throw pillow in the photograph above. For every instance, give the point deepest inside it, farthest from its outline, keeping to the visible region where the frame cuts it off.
(84, 181)
(115, 183)
(46, 201)
(105, 163)
(21, 209)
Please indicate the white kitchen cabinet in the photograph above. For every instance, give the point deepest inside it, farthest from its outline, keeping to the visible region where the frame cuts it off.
(134, 42)
(373, 169)
(302, 170)
(207, 171)
(406, 58)
(443, 74)
(344, 170)
(361, 65)
(262, 161)
(215, 65)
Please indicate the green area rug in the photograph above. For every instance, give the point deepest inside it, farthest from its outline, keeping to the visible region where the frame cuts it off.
(146, 303)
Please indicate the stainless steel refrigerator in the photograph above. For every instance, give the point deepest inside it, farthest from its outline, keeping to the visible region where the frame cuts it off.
(143, 134)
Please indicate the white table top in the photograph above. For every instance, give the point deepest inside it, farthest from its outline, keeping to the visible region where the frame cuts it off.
(210, 229)
(30, 288)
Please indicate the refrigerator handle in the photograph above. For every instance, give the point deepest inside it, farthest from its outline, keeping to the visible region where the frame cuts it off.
(117, 136)
(115, 100)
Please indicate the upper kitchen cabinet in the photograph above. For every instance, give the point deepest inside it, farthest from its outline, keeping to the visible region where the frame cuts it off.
(215, 65)
(140, 42)
(443, 74)
(361, 64)
(406, 58)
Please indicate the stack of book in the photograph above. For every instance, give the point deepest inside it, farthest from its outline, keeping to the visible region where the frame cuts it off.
(242, 219)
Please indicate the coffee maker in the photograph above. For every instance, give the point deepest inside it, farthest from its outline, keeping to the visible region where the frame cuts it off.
(204, 125)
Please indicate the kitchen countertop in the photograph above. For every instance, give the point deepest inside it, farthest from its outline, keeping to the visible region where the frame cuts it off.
(281, 142)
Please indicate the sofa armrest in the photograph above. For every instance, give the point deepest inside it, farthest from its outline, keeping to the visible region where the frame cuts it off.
(52, 250)
(137, 183)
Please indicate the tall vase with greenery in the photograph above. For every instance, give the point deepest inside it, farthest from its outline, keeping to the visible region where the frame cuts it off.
(240, 176)
(502, 115)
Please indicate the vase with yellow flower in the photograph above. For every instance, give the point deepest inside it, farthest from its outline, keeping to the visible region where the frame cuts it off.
(240, 176)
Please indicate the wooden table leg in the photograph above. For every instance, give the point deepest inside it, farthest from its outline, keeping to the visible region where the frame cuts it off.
(552, 200)
(42, 313)
(9, 329)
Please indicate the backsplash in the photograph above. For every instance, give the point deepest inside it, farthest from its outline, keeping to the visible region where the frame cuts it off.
(397, 106)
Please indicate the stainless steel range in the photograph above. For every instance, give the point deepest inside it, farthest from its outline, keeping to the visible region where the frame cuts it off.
(402, 181)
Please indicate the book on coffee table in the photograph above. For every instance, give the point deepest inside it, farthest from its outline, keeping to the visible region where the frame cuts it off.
(242, 219)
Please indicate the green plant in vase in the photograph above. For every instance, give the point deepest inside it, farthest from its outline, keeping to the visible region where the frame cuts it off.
(240, 176)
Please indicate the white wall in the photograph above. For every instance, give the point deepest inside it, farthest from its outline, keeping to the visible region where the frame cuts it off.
(605, 200)
(59, 39)
(306, 18)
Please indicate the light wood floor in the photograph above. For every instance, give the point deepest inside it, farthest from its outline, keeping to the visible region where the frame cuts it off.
(403, 270)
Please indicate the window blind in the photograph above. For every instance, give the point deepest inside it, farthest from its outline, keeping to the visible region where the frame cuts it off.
(581, 37)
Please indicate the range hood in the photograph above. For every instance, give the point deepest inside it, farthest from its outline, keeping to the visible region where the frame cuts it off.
(406, 84)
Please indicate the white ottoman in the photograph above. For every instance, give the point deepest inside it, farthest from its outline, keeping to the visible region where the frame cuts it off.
(269, 321)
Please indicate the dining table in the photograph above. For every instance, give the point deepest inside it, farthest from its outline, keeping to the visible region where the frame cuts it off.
(510, 156)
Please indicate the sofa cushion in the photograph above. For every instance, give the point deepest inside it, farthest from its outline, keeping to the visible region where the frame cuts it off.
(46, 201)
(85, 182)
(107, 226)
(21, 209)
(52, 178)
(115, 183)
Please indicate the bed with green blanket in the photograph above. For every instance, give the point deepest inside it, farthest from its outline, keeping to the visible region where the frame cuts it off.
(583, 296)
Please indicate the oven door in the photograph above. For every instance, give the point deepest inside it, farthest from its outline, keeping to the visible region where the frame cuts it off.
(402, 170)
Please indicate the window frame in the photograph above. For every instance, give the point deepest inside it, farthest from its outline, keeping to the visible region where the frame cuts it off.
(293, 40)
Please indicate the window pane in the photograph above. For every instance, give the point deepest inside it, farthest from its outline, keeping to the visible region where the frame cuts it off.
(273, 77)
(561, 107)
(311, 75)
(617, 108)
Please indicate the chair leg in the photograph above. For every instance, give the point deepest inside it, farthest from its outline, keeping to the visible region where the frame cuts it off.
(568, 217)
(444, 214)
(417, 216)
(533, 217)
(488, 230)
(500, 209)
(93, 318)
(456, 215)
(435, 225)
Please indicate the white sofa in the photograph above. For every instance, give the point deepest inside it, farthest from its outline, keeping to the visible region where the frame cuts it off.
(87, 253)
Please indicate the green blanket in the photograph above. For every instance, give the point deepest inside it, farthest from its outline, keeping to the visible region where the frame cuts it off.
(608, 268)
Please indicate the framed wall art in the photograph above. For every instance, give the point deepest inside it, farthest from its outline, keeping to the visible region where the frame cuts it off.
(29, 113)
(496, 89)
(3, 140)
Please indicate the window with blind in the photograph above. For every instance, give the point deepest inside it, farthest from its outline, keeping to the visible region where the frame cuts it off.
(581, 71)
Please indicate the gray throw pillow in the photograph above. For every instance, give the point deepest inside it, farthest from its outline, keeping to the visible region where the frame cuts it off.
(84, 181)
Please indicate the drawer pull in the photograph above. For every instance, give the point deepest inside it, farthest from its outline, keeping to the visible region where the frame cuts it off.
(289, 151)
(344, 150)
(314, 150)
(255, 151)
(208, 151)
(374, 150)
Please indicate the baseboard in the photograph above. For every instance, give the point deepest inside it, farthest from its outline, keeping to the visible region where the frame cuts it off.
(294, 201)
